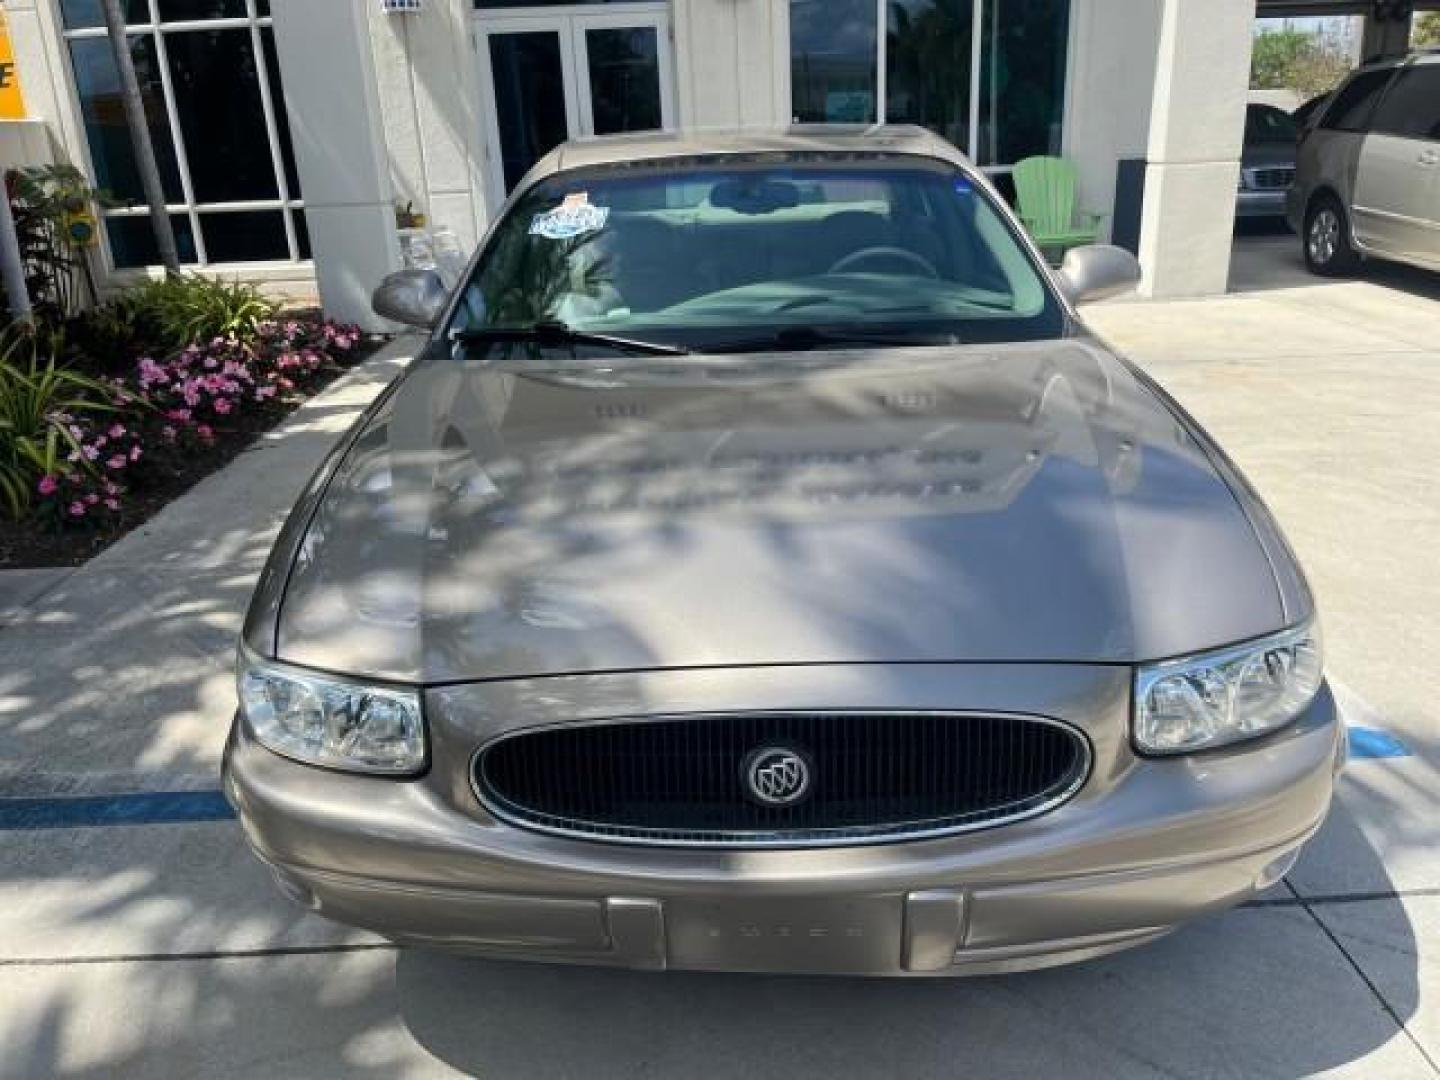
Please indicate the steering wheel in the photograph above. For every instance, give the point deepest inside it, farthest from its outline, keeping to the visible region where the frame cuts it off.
(865, 254)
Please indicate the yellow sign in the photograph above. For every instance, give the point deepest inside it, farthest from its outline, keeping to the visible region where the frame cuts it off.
(12, 105)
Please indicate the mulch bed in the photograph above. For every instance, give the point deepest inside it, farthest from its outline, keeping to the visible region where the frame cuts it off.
(33, 544)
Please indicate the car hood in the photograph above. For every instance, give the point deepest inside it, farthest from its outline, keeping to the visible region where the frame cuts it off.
(1033, 502)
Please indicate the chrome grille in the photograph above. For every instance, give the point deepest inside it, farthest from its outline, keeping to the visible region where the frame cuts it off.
(1277, 178)
(872, 777)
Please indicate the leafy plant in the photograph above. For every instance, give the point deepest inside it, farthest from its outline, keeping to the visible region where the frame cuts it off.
(54, 209)
(105, 340)
(1307, 63)
(191, 310)
(39, 404)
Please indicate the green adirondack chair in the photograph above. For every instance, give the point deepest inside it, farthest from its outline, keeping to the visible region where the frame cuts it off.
(1045, 192)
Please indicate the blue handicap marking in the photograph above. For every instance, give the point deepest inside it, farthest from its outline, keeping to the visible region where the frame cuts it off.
(1367, 743)
(138, 808)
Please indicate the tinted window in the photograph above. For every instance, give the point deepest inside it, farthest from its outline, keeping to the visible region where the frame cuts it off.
(1353, 104)
(833, 51)
(97, 84)
(908, 249)
(1412, 107)
(1265, 124)
(217, 95)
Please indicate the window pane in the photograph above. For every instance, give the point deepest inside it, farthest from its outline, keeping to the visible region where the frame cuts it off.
(927, 66)
(82, 13)
(1022, 79)
(217, 94)
(252, 236)
(133, 243)
(97, 84)
(624, 79)
(1412, 107)
(1350, 111)
(529, 98)
(282, 119)
(177, 10)
(833, 47)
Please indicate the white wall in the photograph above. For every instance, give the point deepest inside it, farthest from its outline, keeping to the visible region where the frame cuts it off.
(44, 79)
(1197, 125)
(1112, 82)
(430, 104)
(328, 73)
(732, 60)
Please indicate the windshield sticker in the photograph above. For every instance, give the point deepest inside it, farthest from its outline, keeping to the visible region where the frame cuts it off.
(964, 187)
(573, 217)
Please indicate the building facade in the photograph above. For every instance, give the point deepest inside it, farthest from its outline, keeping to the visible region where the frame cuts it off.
(291, 131)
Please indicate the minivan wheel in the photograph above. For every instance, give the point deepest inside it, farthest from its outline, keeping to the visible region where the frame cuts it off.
(1327, 239)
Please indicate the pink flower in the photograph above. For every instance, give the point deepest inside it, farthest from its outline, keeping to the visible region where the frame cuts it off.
(48, 484)
(117, 431)
(135, 453)
(77, 509)
(113, 504)
(168, 432)
(116, 462)
(91, 499)
(205, 432)
(222, 406)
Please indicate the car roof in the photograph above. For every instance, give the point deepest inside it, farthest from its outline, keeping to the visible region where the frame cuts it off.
(696, 142)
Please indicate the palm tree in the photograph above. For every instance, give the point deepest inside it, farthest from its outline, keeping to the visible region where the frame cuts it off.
(140, 138)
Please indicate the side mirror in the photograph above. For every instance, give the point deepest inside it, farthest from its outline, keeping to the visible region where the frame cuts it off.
(1098, 271)
(412, 297)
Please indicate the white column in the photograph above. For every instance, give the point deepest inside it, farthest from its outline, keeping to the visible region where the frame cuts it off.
(732, 62)
(1111, 84)
(328, 73)
(1196, 129)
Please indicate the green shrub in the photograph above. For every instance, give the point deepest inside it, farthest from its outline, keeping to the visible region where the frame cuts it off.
(39, 403)
(194, 310)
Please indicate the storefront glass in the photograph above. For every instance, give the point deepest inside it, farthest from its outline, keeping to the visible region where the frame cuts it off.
(988, 75)
(217, 118)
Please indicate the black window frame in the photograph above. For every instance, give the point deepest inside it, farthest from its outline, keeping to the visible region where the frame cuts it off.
(1327, 121)
(1416, 71)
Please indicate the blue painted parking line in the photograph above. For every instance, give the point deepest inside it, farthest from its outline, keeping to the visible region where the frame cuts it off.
(1368, 744)
(140, 808)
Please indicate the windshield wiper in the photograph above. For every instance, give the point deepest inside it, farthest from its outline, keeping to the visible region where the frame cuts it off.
(557, 333)
(799, 338)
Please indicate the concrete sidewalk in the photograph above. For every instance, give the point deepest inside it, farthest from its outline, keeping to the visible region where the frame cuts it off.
(113, 677)
(164, 950)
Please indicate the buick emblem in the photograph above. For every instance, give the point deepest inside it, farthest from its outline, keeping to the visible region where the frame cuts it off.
(777, 776)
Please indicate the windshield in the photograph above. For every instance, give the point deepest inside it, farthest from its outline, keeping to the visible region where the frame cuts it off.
(722, 254)
(1264, 124)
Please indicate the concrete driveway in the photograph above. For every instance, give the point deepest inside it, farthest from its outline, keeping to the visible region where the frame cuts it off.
(138, 938)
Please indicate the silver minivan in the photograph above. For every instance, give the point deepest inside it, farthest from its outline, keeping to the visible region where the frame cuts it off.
(1367, 181)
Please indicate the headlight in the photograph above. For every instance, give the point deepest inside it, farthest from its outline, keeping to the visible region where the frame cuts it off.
(325, 721)
(1226, 696)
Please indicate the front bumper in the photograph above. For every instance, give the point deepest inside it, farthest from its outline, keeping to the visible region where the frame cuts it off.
(1147, 845)
(1268, 203)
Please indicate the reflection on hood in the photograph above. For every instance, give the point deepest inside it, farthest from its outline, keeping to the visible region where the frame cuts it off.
(1015, 502)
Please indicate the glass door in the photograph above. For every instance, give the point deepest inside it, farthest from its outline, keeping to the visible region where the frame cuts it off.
(563, 74)
(624, 66)
(527, 66)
